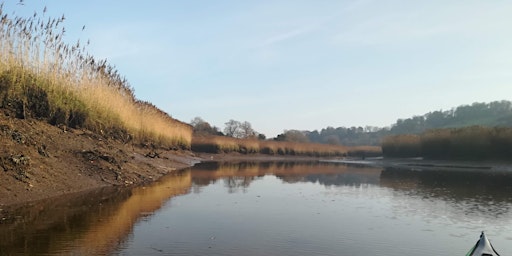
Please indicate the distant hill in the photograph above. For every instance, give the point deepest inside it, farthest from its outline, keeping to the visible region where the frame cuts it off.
(496, 113)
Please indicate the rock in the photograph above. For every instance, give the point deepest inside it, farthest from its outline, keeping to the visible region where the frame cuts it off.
(42, 150)
(18, 137)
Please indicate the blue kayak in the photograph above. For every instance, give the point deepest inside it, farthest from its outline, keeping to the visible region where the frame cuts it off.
(482, 248)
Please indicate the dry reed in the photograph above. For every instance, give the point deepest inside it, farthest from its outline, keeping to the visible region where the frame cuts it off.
(469, 143)
(222, 144)
(44, 77)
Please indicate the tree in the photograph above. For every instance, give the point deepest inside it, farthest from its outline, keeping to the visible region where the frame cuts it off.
(332, 140)
(246, 130)
(202, 127)
(293, 136)
(232, 128)
(238, 129)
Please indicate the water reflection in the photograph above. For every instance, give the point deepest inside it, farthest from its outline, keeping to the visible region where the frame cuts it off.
(84, 224)
(476, 192)
(102, 222)
(239, 176)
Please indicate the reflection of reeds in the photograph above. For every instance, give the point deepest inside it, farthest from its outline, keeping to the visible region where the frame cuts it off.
(219, 144)
(473, 142)
(105, 234)
(43, 77)
(94, 223)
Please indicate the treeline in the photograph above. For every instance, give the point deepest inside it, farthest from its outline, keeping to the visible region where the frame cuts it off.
(353, 136)
(225, 144)
(43, 77)
(468, 143)
(497, 113)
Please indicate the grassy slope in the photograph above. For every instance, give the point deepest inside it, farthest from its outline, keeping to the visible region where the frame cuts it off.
(45, 78)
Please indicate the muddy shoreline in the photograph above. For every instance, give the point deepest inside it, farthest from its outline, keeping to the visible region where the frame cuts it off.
(151, 170)
(40, 161)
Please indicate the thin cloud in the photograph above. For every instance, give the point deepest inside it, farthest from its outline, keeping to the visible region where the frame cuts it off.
(295, 32)
(286, 36)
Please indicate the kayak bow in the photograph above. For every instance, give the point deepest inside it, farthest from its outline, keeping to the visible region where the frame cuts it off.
(482, 248)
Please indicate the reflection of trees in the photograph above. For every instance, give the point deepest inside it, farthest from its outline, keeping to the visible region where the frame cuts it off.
(234, 184)
(208, 172)
(354, 178)
(480, 191)
(240, 175)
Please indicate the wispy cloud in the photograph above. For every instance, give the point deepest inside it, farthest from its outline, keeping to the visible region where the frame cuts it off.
(304, 29)
(286, 35)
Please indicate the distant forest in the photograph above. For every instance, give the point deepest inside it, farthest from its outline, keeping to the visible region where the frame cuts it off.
(493, 114)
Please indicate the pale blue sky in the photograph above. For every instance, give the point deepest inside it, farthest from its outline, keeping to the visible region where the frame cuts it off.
(296, 64)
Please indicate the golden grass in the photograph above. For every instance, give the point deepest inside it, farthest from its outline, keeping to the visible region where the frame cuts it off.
(222, 144)
(43, 77)
(471, 143)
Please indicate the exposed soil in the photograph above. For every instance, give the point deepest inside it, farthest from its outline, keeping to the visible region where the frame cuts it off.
(38, 160)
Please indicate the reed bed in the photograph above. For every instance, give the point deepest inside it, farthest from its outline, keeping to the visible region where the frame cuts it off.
(468, 143)
(364, 151)
(43, 77)
(222, 144)
(401, 146)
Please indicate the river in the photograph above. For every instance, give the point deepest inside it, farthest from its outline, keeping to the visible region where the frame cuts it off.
(273, 208)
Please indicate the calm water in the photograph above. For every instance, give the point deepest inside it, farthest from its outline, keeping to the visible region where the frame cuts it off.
(273, 209)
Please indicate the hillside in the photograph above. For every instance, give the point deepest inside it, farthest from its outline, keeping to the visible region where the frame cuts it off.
(493, 114)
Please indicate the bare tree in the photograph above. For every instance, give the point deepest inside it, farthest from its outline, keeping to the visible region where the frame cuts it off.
(246, 130)
(197, 121)
(202, 127)
(232, 128)
(238, 129)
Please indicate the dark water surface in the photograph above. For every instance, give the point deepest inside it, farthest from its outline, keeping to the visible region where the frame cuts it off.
(273, 209)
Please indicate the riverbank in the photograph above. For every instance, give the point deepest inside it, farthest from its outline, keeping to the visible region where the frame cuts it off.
(39, 160)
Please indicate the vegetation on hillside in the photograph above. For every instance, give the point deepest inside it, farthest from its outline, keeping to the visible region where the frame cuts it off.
(43, 77)
(497, 113)
(468, 143)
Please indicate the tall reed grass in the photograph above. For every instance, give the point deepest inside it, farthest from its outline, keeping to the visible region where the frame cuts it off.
(401, 146)
(469, 143)
(42, 76)
(223, 144)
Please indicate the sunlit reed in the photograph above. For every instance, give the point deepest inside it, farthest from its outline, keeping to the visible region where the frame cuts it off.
(42, 76)
(223, 144)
